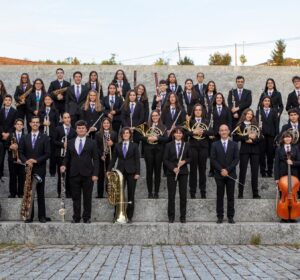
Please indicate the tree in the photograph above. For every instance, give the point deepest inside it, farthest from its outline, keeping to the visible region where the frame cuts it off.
(161, 61)
(185, 61)
(111, 61)
(243, 59)
(277, 53)
(219, 59)
(75, 61)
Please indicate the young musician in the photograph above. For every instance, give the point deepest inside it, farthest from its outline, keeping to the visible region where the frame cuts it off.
(59, 96)
(190, 96)
(8, 115)
(132, 113)
(75, 97)
(16, 170)
(293, 124)
(35, 100)
(23, 87)
(121, 82)
(281, 161)
(200, 86)
(128, 156)
(91, 111)
(106, 140)
(293, 97)
(176, 158)
(173, 86)
(49, 118)
(112, 107)
(3, 92)
(159, 101)
(63, 134)
(34, 151)
(94, 84)
(83, 162)
(268, 122)
(199, 150)
(249, 150)
(225, 158)
(153, 146)
(142, 97)
(239, 99)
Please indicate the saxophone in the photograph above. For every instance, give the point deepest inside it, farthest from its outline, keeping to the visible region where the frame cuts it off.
(116, 196)
(29, 191)
(22, 97)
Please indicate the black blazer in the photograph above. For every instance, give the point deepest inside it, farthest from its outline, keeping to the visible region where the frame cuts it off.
(167, 120)
(98, 85)
(208, 103)
(91, 117)
(59, 134)
(201, 93)
(11, 135)
(116, 107)
(125, 87)
(87, 163)
(72, 105)
(131, 163)
(7, 124)
(221, 160)
(171, 160)
(276, 100)
(31, 104)
(224, 118)
(292, 101)
(54, 85)
(269, 124)
(280, 165)
(178, 91)
(199, 144)
(190, 105)
(146, 109)
(53, 118)
(137, 116)
(19, 91)
(288, 126)
(41, 152)
(244, 103)
(99, 141)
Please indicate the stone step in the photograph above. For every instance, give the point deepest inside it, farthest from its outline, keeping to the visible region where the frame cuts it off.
(153, 210)
(267, 188)
(55, 233)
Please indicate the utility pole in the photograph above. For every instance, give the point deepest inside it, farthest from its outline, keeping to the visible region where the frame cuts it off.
(235, 54)
(178, 48)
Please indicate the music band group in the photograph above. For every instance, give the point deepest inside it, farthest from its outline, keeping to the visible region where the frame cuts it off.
(84, 133)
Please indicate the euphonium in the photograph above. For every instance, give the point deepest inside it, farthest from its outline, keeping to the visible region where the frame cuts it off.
(116, 196)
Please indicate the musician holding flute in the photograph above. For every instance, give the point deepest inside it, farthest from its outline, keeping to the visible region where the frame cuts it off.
(176, 157)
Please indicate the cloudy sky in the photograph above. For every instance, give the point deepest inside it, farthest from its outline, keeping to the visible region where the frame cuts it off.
(141, 31)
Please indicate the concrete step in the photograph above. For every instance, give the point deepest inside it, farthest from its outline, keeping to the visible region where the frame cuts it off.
(153, 210)
(148, 233)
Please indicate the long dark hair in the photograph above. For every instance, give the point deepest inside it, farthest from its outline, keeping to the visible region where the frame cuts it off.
(43, 86)
(91, 73)
(43, 106)
(167, 104)
(101, 131)
(124, 76)
(28, 80)
(168, 79)
(144, 96)
(266, 86)
(243, 117)
(115, 86)
(194, 92)
(3, 91)
(223, 99)
(159, 124)
(203, 115)
(127, 101)
(207, 86)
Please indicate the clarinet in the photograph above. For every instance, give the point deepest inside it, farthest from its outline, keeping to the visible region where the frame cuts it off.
(158, 104)
(62, 210)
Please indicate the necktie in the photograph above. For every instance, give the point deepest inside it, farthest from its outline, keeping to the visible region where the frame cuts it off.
(200, 87)
(92, 107)
(173, 113)
(93, 86)
(47, 111)
(33, 140)
(6, 112)
(131, 108)
(24, 88)
(198, 120)
(225, 146)
(189, 97)
(288, 149)
(120, 84)
(219, 110)
(270, 93)
(77, 93)
(18, 137)
(178, 149)
(61, 84)
(267, 112)
(240, 94)
(37, 97)
(80, 147)
(298, 93)
(163, 98)
(67, 131)
(124, 149)
(112, 102)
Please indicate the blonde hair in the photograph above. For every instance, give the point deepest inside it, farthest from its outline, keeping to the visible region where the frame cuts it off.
(98, 105)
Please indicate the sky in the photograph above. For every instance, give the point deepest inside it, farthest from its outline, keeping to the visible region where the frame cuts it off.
(139, 32)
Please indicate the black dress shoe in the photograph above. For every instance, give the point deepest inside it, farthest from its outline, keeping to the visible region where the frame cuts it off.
(257, 196)
(193, 196)
(52, 175)
(292, 221)
(203, 195)
(283, 221)
(58, 196)
(240, 196)
(150, 195)
(75, 221)
(182, 220)
(129, 221)
(263, 175)
(28, 221)
(270, 175)
(68, 195)
(48, 219)
(88, 221)
(156, 195)
(231, 221)
(220, 221)
(43, 220)
(171, 220)
(11, 196)
(99, 196)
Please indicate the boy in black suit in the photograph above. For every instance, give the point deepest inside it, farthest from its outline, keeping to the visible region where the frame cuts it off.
(225, 157)
(83, 162)
(159, 101)
(200, 86)
(34, 151)
(293, 97)
(176, 157)
(128, 156)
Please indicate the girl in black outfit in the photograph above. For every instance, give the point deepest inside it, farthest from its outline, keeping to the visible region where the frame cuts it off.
(112, 107)
(142, 97)
(153, 153)
(121, 82)
(106, 139)
(190, 96)
(95, 84)
(173, 86)
(249, 151)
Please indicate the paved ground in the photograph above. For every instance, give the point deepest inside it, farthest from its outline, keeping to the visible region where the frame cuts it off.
(153, 262)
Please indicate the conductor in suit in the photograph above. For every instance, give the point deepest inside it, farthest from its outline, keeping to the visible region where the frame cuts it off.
(225, 157)
(83, 163)
(34, 150)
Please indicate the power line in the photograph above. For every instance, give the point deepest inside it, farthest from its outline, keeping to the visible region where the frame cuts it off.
(167, 53)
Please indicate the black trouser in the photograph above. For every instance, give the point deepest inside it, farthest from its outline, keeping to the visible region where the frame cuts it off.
(40, 190)
(211, 167)
(198, 161)
(101, 176)
(81, 184)
(254, 164)
(2, 154)
(153, 159)
(182, 182)
(130, 182)
(52, 161)
(59, 161)
(16, 178)
(60, 106)
(21, 112)
(116, 124)
(267, 150)
(222, 184)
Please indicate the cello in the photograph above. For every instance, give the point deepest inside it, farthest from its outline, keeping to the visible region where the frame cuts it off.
(288, 207)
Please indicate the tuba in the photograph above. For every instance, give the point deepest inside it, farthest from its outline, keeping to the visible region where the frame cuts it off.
(116, 196)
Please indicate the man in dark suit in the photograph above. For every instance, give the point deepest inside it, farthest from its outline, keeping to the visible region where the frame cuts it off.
(225, 157)
(239, 99)
(83, 161)
(34, 151)
(8, 116)
(200, 86)
(75, 97)
(293, 100)
(59, 83)
(128, 156)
